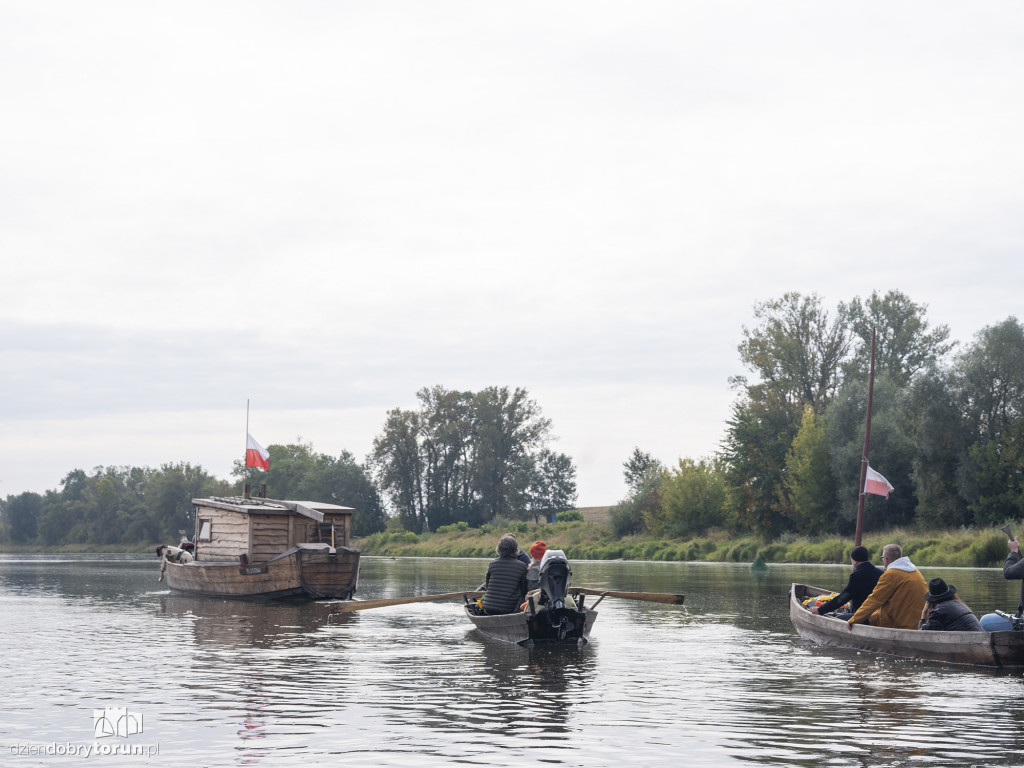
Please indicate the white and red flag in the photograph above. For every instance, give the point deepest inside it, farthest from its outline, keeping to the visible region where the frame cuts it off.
(257, 456)
(875, 483)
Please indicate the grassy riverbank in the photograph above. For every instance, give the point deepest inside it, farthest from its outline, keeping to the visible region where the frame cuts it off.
(966, 547)
(81, 549)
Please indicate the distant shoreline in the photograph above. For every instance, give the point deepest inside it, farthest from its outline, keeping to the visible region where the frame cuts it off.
(593, 540)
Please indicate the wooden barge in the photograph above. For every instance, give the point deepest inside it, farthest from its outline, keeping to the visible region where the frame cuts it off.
(266, 548)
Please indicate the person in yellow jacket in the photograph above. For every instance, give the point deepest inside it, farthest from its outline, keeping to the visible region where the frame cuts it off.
(898, 597)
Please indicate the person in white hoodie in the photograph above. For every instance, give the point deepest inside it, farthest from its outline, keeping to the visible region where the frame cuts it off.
(899, 596)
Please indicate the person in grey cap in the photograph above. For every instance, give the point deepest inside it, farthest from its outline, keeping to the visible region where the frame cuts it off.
(862, 582)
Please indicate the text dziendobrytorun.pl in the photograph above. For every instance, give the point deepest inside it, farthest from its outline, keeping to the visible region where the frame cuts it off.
(85, 750)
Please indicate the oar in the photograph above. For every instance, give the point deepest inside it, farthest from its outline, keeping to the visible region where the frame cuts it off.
(647, 597)
(347, 606)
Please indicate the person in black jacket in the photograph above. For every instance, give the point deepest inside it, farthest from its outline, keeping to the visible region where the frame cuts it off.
(943, 610)
(1013, 569)
(862, 582)
(505, 584)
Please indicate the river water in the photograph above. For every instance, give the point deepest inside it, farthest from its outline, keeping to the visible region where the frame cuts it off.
(101, 665)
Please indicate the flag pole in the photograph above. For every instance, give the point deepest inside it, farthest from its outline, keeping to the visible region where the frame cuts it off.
(246, 424)
(867, 444)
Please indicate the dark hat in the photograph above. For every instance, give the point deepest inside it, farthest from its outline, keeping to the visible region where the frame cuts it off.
(938, 591)
(860, 554)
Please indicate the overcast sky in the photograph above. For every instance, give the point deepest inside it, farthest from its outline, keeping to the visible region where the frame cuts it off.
(323, 207)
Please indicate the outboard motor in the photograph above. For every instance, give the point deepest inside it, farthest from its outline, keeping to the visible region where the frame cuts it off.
(555, 576)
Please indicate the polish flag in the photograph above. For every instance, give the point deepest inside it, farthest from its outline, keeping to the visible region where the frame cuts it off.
(875, 483)
(256, 455)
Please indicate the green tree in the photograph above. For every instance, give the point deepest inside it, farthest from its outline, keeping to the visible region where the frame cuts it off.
(447, 446)
(289, 464)
(693, 499)
(809, 486)
(893, 452)
(758, 437)
(988, 381)
(551, 486)
(508, 427)
(462, 457)
(638, 467)
(20, 516)
(999, 479)
(630, 515)
(62, 520)
(904, 345)
(169, 494)
(297, 471)
(398, 466)
(796, 350)
(344, 481)
(942, 443)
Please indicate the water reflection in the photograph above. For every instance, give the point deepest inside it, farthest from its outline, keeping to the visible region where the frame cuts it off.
(722, 680)
(242, 623)
(536, 688)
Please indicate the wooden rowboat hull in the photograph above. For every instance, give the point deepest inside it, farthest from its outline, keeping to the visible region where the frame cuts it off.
(990, 649)
(523, 628)
(316, 572)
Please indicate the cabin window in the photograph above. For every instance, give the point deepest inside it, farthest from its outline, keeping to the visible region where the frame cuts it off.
(204, 530)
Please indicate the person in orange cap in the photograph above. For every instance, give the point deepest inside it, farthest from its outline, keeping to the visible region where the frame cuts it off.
(537, 550)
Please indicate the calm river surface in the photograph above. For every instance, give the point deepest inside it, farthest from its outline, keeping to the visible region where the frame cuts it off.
(722, 681)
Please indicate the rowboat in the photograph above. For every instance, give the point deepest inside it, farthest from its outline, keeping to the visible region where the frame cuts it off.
(989, 649)
(553, 615)
(568, 625)
(255, 547)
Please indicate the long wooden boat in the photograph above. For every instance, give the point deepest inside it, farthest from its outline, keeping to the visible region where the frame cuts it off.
(991, 649)
(570, 625)
(265, 548)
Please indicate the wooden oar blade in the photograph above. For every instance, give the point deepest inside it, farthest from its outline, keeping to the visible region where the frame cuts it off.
(363, 605)
(647, 597)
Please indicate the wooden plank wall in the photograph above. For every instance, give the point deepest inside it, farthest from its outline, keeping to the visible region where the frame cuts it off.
(269, 536)
(229, 534)
(261, 536)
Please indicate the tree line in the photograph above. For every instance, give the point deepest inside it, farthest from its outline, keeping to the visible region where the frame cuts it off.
(461, 457)
(947, 432)
(140, 505)
(947, 428)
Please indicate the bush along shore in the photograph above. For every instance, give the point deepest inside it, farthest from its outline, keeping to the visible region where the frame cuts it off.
(961, 548)
(964, 547)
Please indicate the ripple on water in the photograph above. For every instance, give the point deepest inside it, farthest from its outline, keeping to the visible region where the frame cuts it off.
(723, 681)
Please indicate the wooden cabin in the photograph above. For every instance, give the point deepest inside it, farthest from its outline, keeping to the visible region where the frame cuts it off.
(260, 529)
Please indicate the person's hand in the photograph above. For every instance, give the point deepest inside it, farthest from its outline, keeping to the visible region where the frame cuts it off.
(814, 609)
(849, 625)
(1014, 545)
